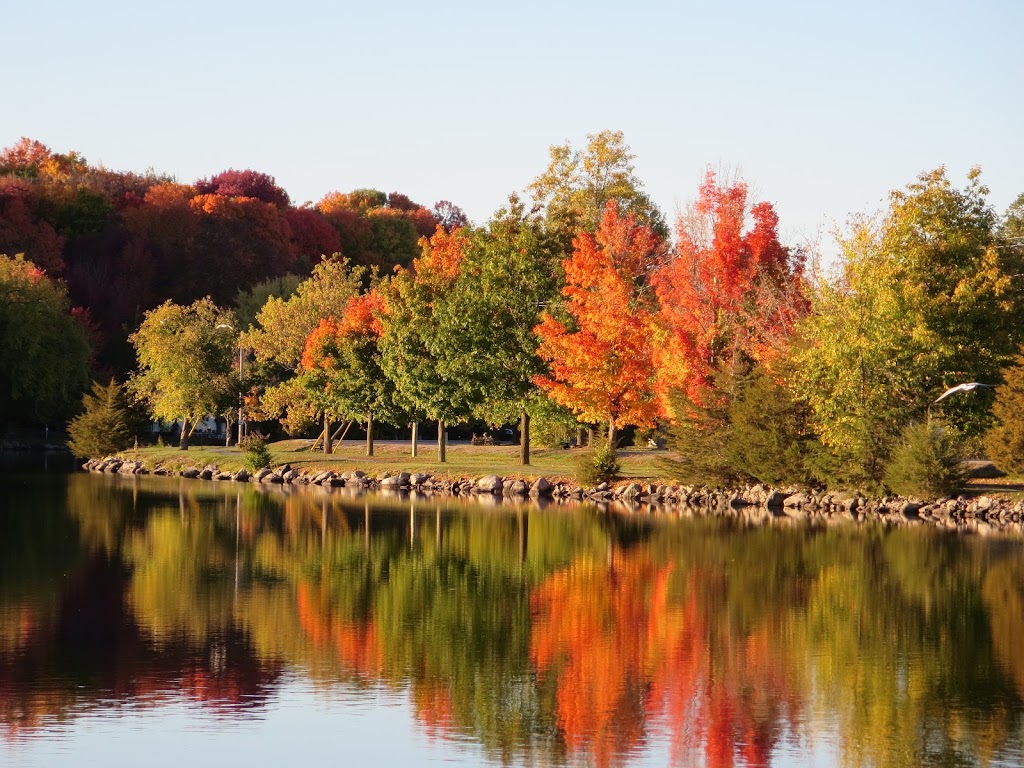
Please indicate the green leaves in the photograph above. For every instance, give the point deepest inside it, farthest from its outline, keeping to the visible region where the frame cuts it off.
(44, 353)
(924, 301)
(103, 428)
(185, 361)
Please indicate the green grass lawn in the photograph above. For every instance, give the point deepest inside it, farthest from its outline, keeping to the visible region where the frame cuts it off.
(463, 459)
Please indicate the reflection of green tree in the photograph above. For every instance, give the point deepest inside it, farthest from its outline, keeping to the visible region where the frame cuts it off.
(181, 582)
(901, 652)
(437, 600)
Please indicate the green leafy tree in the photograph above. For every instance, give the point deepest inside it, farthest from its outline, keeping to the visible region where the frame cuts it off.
(283, 324)
(770, 439)
(104, 426)
(924, 300)
(341, 369)
(44, 352)
(485, 341)
(279, 336)
(577, 185)
(412, 337)
(1004, 443)
(248, 303)
(186, 357)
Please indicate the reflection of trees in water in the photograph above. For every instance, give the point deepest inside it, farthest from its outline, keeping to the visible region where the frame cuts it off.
(547, 637)
(630, 644)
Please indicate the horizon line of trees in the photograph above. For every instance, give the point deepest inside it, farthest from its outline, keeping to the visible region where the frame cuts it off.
(580, 306)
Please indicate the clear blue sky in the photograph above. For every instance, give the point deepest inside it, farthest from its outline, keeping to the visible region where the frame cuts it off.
(824, 106)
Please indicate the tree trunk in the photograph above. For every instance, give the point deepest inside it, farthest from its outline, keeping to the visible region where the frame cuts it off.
(442, 442)
(227, 433)
(611, 435)
(369, 434)
(327, 434)
(579, 436)
(590, 437)
(524, 438)
(415, 438)
(183, 440)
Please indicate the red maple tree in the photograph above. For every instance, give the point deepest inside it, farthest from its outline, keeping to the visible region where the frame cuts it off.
(725, 292)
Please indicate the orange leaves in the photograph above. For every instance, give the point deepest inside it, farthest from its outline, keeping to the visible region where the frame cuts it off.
(632, 643)
(602, 367)
(321, 346)
(442, 257)
(361, 316)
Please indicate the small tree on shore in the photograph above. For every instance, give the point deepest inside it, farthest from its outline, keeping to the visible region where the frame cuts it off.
(928, 461)
(1004, 443)
(185, 363)
(103, 428)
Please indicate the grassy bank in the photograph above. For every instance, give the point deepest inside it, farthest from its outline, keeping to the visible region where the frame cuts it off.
(463, 459)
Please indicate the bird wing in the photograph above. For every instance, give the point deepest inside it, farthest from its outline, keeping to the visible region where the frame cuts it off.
(950, 391)
(969, 387)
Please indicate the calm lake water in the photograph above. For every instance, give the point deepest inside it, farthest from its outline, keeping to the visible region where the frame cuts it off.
(162, 622)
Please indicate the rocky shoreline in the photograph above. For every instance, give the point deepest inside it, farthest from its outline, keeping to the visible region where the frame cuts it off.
(756, 503)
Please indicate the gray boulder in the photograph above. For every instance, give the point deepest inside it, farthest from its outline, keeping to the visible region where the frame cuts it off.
(541, 487)
(489, 484)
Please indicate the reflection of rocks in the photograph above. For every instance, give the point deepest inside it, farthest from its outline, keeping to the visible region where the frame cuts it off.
(752, 503)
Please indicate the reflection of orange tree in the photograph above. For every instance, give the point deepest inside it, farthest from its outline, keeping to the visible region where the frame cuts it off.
(355, 642)
(625, 650)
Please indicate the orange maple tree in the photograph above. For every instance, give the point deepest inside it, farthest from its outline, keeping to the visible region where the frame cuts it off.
(601, 356)
(725, 292)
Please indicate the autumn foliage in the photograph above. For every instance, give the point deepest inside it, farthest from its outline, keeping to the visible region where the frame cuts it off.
(626, 650)
(600, 352)
(726, 291)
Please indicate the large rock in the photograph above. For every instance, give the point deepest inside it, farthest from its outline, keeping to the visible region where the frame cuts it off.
(541, 487)
(489, 484)
(631, 491)
(190, 472)
(401, 480)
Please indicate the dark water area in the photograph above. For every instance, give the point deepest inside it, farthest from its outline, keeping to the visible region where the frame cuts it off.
(170, 621)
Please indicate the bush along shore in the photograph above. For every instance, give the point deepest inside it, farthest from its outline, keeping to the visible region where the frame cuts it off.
(758, 504)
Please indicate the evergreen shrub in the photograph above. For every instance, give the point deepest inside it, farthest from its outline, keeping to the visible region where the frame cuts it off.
(598, 465)
(927, 461)
(104, 426)
(1004, 443)
(256, 453)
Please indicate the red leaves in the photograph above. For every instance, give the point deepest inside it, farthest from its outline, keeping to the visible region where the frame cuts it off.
(248, 183)
(708, 314)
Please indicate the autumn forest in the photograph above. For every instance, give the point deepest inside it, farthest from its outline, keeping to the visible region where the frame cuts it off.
(577, 304)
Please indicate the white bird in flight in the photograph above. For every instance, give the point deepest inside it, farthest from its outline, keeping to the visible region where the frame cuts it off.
(961, 388)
